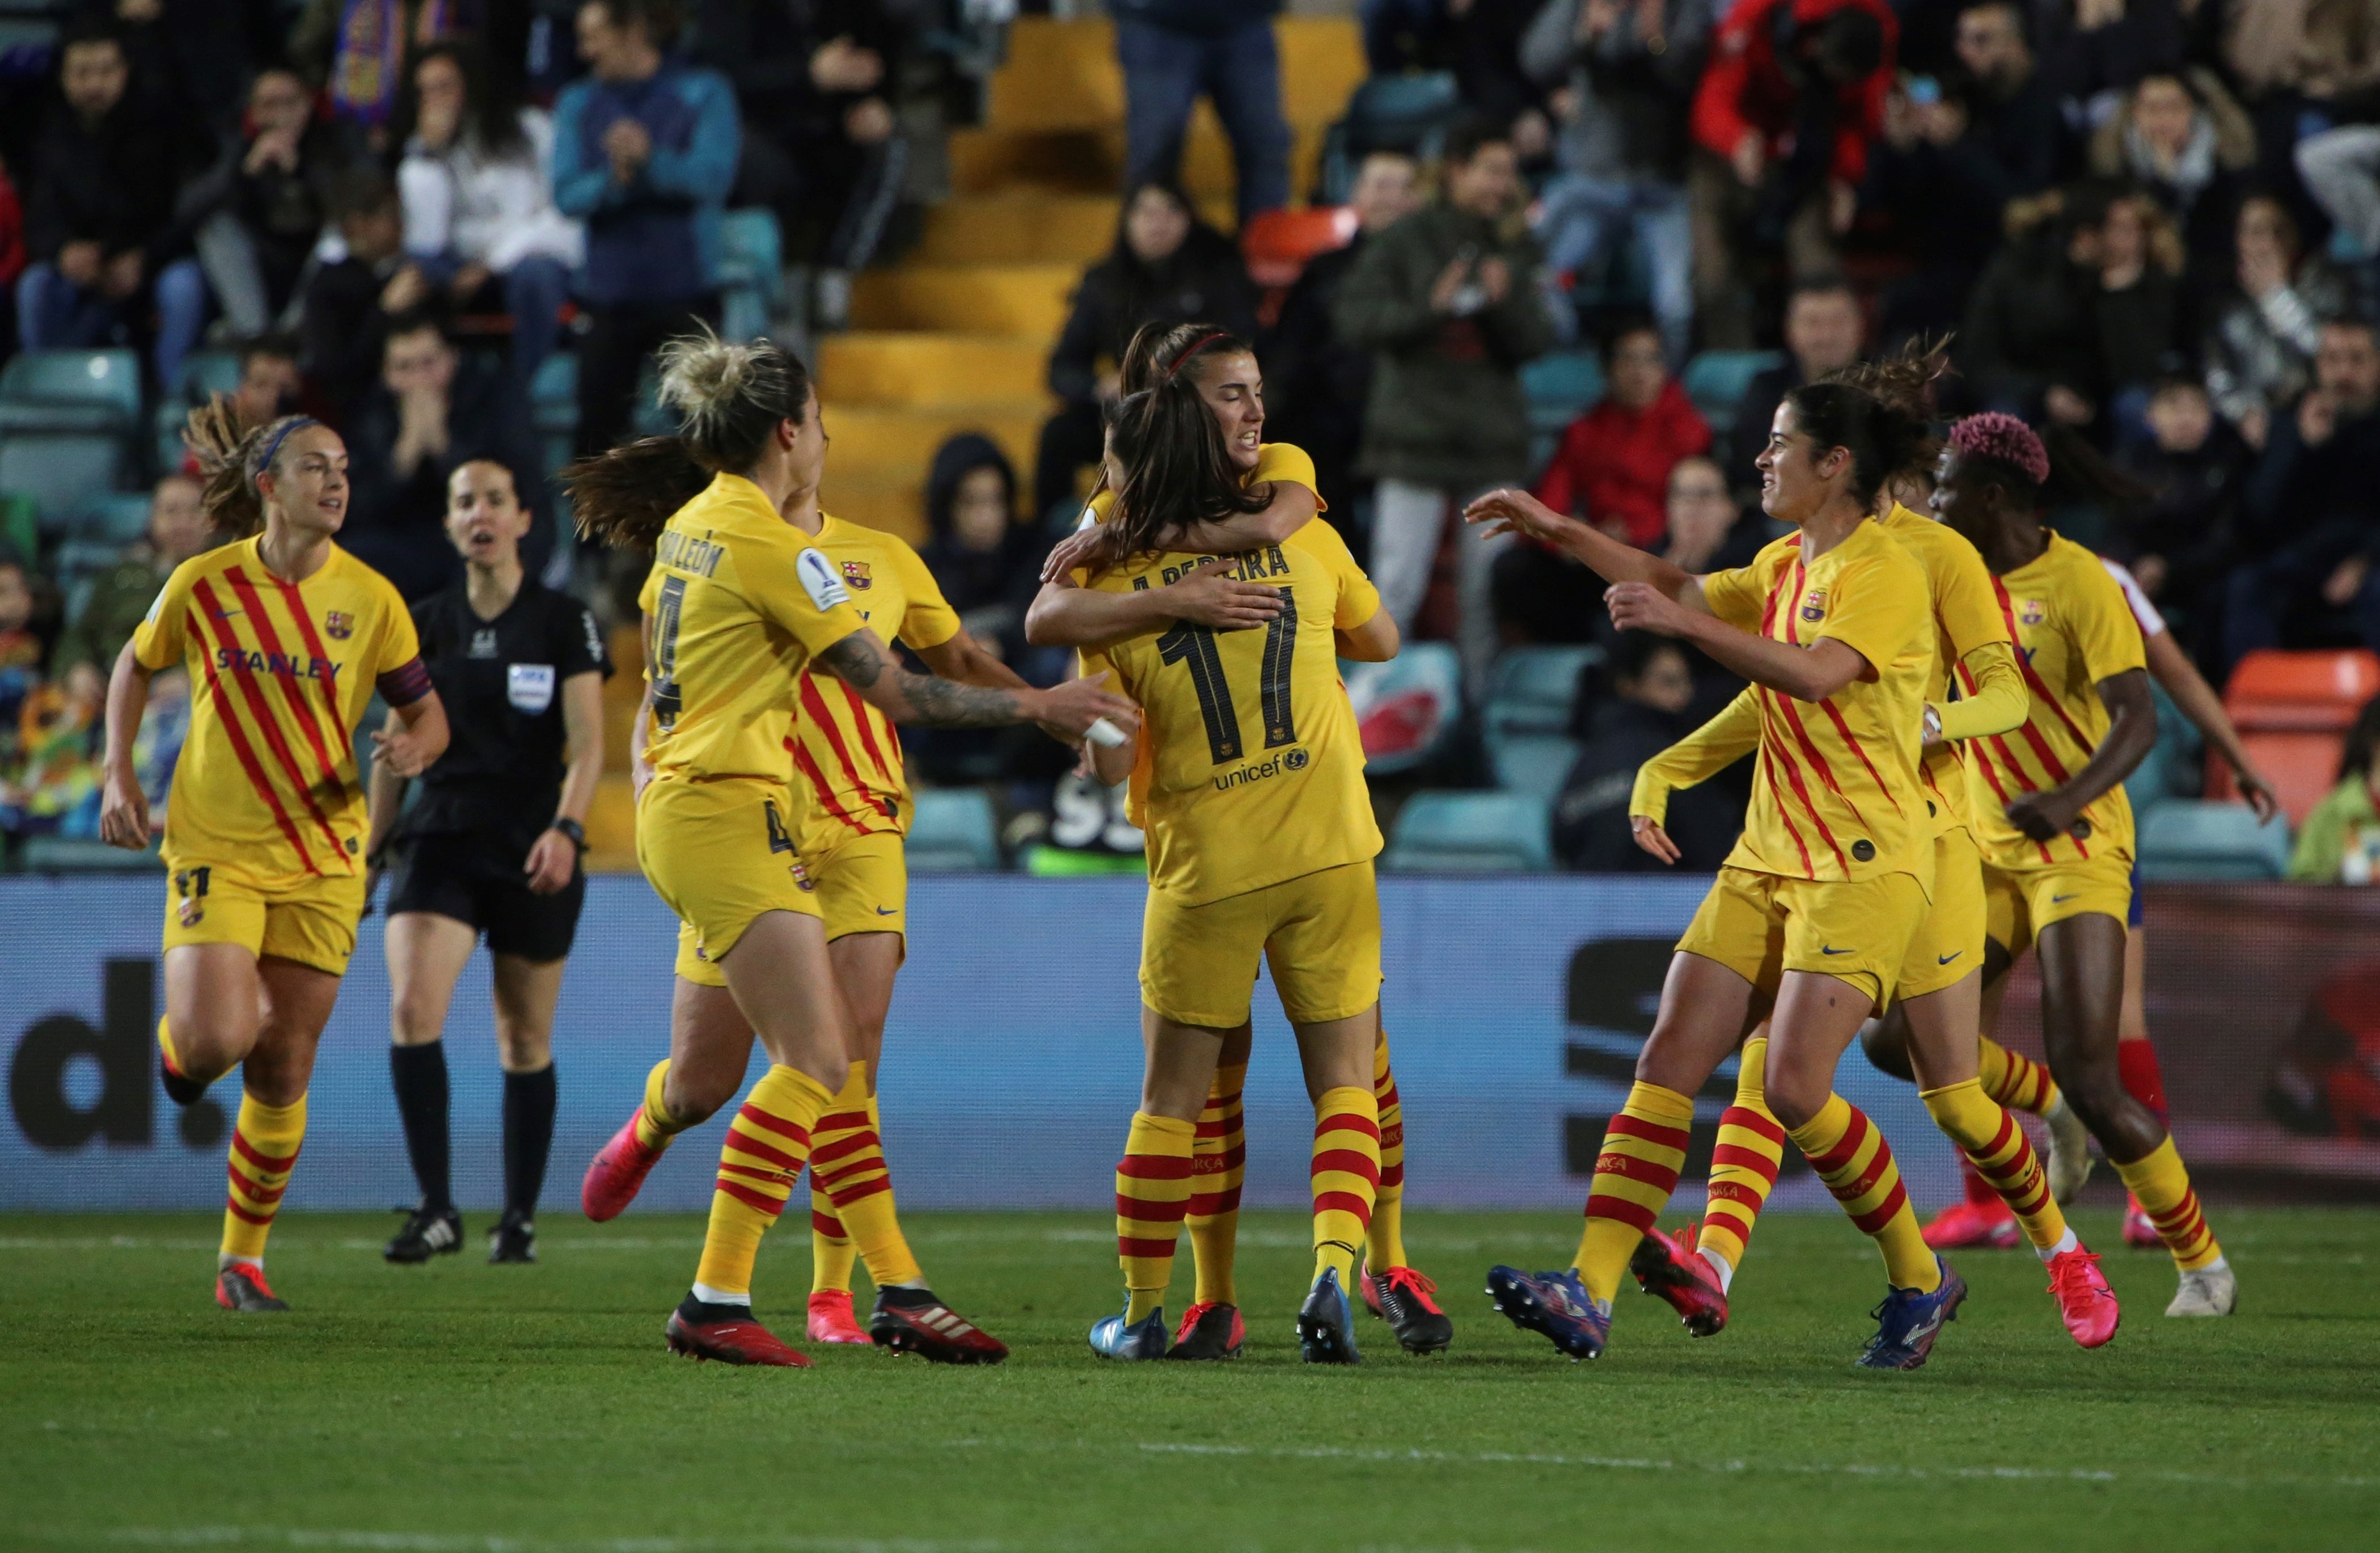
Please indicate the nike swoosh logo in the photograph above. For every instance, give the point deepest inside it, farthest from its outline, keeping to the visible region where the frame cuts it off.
(888, 910)
(225, 615)
(1945, 959)
(1823, 949)
(2060, 899)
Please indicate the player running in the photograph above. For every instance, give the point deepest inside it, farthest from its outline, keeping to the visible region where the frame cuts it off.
(1222, 368)
(1937, 1013)
(287, 636)
(739, 604)
(1258, 851)
(493, 847)
(2056, 828)
(1812, 918)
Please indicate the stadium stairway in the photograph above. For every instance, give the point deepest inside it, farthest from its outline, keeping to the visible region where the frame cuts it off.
(956, 335)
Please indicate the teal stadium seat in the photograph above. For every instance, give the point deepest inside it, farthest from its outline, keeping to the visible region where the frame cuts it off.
(2170, 769)
(554, 393)
(953, 832)
(83, 855)
(1534, 764)
(2188, 840)
(1531, 688)
(751, 271)
(1408, 707)
(1471, 833)
(1716, 380)
(114, 519)
(204, 372)
(1559, 386)
(64, 472)
(89, 391)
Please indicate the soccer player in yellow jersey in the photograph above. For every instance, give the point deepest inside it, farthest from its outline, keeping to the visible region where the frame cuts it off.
(1223, 368)
(1248, 780)
(1812, 918)
(2054, 823)
(740, 602)
(286, 636)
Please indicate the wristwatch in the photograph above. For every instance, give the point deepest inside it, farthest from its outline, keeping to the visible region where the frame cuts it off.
(572, 829)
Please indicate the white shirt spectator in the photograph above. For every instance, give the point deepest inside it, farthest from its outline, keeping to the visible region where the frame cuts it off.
(495, 211)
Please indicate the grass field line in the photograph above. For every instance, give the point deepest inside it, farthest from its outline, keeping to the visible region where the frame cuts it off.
(429, 1542)
(1738, 1467)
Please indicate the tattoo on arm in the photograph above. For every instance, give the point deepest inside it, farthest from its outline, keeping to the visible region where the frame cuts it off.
(857, 660)
(941, 703)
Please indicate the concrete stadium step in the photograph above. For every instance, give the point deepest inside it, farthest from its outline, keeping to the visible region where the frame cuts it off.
(870, 441)
(919, 368)
(1064, 75)
(1078, 162)
(1018, 228)
(889, 497)
(1022, 299)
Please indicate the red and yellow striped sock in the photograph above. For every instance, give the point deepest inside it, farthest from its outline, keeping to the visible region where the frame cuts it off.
(2162, 1184)
(1219, 1165)
(832, 1256)
(762, 1160)
(264, 1150)
(2015, 1081)
(654, 1128)
(849, 1160)
(1152, 1193)
(1345, 1173)
(1643, 1149)
(1852, 1159)
(1745, 1163)
(1386, 1248)
(1995, 1148)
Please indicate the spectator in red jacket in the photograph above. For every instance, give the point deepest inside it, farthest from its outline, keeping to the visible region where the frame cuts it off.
(1792, 102)
(1613, 465)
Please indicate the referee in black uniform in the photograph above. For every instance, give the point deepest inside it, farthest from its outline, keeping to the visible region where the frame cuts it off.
(491, 845)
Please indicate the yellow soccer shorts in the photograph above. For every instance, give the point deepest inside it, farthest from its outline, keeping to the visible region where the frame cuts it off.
(861, 886)
(312, 923)
(1319, 932)
(1949, 945)
(719, 854)
(1760, 926)
(2020, 902)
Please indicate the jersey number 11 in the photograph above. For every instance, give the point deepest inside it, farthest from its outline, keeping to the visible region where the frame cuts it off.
(1195, 644)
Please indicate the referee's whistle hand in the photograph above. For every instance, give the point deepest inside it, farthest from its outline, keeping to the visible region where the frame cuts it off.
(550, 862)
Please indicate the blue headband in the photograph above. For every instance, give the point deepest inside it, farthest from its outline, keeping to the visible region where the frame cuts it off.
(272, 448)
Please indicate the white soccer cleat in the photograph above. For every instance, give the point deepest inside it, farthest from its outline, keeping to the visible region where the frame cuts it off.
(2069, 1165)
(2206, 1292)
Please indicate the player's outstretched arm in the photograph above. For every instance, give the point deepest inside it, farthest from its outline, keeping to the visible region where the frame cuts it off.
(2131, 733)
(1517, 512)
(1694, 759)
(2171, 667)
(2000, 702)
(1806, 674)
(122, 808)
(862, 661)
(1293, 507)
(963, 662)
(1065, 613)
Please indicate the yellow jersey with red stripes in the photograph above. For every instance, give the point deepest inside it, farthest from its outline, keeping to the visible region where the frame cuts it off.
(847, 768)
(740, 601)
(1966, 616)
(2073, 629)
(267, 788)
(1836, 793)
(1274, 461)
(1249, 769)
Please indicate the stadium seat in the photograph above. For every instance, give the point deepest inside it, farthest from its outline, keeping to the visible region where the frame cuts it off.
(1406, 113)
(114, 519)
(1531, 688)
(751, 271)
(1278, 245)
(1559, 386)
(79, 854)
(1408, 707)
(2166, 771)
(2185, 839)
(1716, 379)
(953, 832)
(62, 472)
(1534, 764)
(203, 372)
(554, 393)
(2293, 711)
(70, 391)
(1471, 833)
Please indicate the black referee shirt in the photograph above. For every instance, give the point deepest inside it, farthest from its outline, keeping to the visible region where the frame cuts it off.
(501, 682)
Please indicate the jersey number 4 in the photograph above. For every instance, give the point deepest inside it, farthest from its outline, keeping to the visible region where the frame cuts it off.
(666, 611)
(1194, 646)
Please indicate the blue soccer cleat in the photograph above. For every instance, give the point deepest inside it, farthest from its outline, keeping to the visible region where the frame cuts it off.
(1326, 1324)
(1555, 1305)
(1908, 1322)
(1146, 1338)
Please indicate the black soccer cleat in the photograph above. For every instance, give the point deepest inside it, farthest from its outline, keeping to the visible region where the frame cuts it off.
(429, 1232)
(241, 1287)
(1209, 1330)
(1402, 1297)
(914, 1321)
(512, 1240)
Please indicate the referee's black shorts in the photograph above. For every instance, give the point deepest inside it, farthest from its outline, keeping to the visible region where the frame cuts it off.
(477, 881)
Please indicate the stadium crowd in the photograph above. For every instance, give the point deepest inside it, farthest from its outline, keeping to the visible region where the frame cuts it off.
(2150, 228)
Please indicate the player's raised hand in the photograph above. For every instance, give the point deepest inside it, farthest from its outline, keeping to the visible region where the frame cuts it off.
(1077, 703)
(124, 813)
(1508, 511)
(1641, 606)
(1650, 837)
(1208, 595)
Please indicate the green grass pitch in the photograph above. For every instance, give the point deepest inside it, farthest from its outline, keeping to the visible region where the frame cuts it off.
(462, 1408)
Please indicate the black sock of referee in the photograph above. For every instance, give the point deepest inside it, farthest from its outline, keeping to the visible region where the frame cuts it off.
(529, 1137)
(420, 1075)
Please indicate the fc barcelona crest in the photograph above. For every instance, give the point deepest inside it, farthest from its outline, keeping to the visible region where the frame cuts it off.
(855, 574)
(2032, 612)
(339, 625)
(1813, 608)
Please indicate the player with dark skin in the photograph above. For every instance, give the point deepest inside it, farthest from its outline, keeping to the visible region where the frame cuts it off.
(2081, 958)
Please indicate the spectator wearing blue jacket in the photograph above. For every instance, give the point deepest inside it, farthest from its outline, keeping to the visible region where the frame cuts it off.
(644, 153)
(1173, 50)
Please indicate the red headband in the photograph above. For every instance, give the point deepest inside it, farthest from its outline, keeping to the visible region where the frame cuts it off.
(1200, 344)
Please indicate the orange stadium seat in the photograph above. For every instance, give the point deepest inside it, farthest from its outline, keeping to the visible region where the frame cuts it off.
(2293, 711)
(1278, 244)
